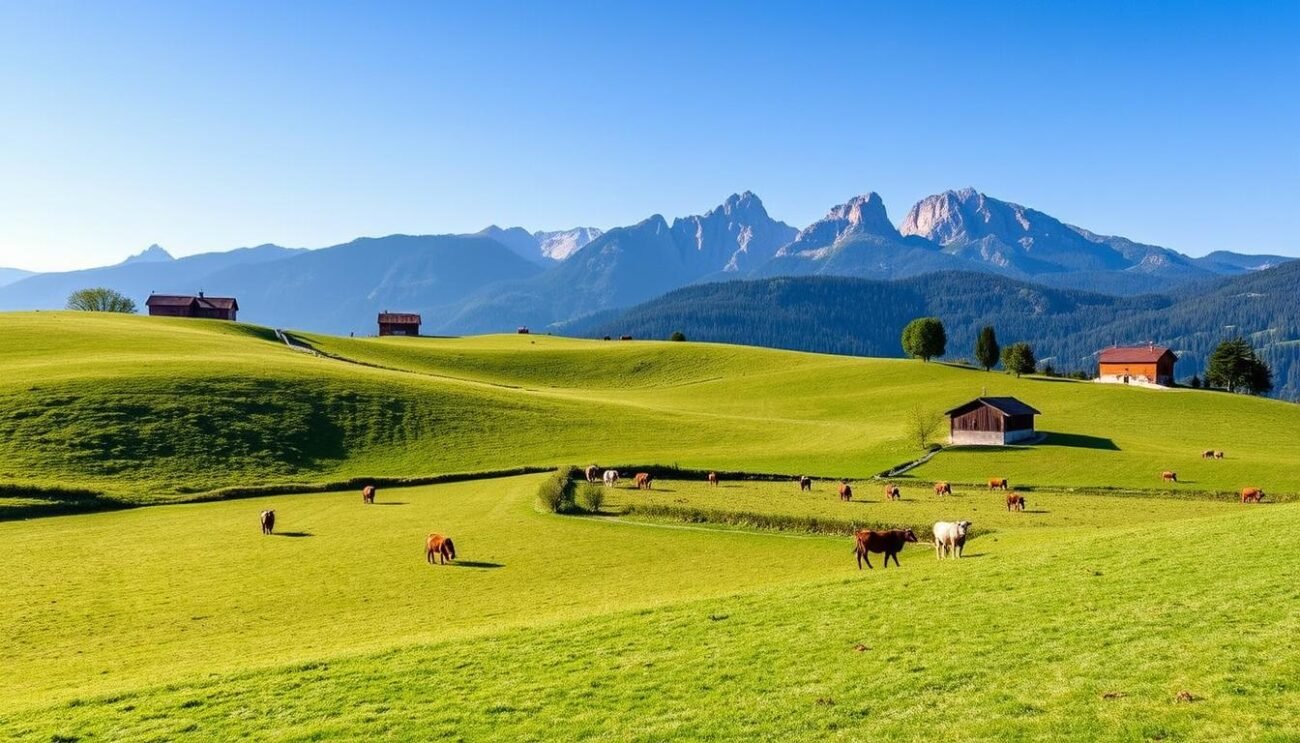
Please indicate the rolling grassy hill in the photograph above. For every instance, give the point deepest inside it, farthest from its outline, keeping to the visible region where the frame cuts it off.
(149, 410)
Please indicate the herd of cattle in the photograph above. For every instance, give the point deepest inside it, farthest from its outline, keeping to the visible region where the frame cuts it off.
(949, 537)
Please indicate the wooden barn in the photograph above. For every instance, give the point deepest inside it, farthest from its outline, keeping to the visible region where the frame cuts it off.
(991, 421)
(399, 323)
(1149, 364)
(175, 305)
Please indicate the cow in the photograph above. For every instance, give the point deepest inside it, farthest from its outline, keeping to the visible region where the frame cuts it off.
(892, 492)
(805, 483)
(440, 548)
(713, 479)
(942, 488)
(611, 478)
(1251, 495)
(999, 483)
(1169, 476)
(1207, 454)
(268, 522)
(368, 494)
(950, 538)
(1015, 502)
(1218, 454)
(643, 480)
(846, 491)
(591, 472)
(890, 542)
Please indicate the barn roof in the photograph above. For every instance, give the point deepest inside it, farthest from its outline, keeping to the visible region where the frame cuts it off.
(1004, 405)
(1147, 354)
(185, 300)
(400, 318)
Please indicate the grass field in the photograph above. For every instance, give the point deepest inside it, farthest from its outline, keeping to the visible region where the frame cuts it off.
(162, 622)
(1083, 618)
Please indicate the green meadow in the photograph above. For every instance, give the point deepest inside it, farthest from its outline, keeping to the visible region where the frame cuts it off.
(1116, 607)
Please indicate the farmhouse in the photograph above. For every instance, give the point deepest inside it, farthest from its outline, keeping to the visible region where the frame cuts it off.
(1149, 364)
(399, 323)
(991, 421)
(175, 305)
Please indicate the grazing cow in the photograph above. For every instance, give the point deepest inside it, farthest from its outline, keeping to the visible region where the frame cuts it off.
(591, 472)
(713, 479)
(805, 483)
(889, 542)
(611, 478)
(644, 480)
(846, 491)
(942, 488)
(1251, 495)
(950, 538)
(368, 494)
(1218, 454)
(1207, 454)
(892, 492)
(999, 483)
(268, 522)
(1168, 476)
(438, 547)
(1015, 502)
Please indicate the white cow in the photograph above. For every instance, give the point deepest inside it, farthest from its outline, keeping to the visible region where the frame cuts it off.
(611, 478)
(950, 538)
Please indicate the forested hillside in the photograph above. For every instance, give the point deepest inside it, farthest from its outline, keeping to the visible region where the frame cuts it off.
(1066, 328)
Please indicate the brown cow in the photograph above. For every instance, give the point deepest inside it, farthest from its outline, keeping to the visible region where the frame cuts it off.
(1168, 476)
(592, 473)
(368, 494)
(268, 522)
(438, 547)
(1218, 454)
(713, 479)
(846, 491)
(805, 483)
(1015, 502)
(942, 488)
(1251, 495)
(892, 492)
(1207, 454)
(999, 483)
(889, 542)
(643, 480)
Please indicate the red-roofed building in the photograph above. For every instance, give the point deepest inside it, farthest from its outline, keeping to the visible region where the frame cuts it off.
(399, 323)
(1149, 364)
(176, 305)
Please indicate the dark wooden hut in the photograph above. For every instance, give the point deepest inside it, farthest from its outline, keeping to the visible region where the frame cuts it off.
(991, 421)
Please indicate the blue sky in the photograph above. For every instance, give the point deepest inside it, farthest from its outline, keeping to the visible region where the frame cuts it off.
(212, 126)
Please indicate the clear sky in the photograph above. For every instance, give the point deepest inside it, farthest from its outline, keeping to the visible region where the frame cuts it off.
(213, 126)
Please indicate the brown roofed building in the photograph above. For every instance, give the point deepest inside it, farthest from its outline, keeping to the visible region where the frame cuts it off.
(175, 305)
(399, 323)
(1149, 364)
(991, 421)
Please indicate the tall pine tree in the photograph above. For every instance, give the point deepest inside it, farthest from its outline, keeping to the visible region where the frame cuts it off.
(986, 348)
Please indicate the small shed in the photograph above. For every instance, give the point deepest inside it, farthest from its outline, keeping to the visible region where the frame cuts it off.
(991, 421)
(181, 305)
(1149, 364)
(399, 323)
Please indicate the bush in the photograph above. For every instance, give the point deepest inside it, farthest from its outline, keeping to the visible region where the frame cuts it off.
(591, 497)
(677, 336)
(556, 493)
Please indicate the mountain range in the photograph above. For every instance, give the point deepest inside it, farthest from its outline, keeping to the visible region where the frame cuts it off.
(501, 278)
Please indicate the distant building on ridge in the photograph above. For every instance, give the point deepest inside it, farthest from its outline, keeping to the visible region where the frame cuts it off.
(1149, 364)
(399, 323)
(176, 305)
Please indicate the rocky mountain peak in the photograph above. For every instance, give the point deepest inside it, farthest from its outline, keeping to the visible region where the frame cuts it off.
(152, 254)
(860, 215)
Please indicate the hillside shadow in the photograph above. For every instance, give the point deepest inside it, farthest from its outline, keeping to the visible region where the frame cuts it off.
(294, 534)
(1078, 441)
(477, 564)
